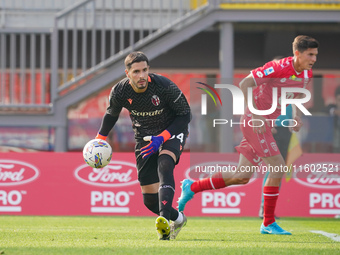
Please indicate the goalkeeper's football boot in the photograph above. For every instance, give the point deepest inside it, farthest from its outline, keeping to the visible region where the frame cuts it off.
(273, 229)
(176, 227)
(163, 228)
(186, 194)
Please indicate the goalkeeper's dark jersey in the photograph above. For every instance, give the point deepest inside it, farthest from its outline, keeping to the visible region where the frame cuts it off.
(152, 111)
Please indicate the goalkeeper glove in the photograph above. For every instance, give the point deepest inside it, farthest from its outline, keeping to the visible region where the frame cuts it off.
(155, 143)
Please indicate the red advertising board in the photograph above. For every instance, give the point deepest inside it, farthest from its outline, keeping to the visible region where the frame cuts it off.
(48, 183)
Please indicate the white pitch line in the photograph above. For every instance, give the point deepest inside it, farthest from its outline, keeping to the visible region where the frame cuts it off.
(334, 237)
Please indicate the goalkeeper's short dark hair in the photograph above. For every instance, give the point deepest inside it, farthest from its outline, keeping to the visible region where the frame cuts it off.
(135, 57)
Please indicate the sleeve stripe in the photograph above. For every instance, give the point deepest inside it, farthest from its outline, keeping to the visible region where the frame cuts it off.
(178, 97)
(252, 75)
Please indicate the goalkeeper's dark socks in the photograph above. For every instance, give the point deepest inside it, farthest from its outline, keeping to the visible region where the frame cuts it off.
(166, 194)
(270, 195)
(174, 214)
(214, 182)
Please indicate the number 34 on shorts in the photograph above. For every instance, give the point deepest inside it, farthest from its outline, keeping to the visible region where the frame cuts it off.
(180, 137)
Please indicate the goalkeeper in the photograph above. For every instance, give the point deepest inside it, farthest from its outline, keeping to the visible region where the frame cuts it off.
(160, 115)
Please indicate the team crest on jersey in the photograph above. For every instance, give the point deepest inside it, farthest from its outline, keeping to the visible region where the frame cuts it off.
(155, 100)
(259, 74)
(274, 146)
(268, 71)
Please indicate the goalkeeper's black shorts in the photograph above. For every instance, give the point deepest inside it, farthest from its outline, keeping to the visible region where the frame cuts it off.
(147, 168)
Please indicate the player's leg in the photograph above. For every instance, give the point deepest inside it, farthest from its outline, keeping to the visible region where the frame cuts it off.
(151, 201)
(264, 146)
(167, 160)
(166, 166)
(282, 137)
(148, 179)
(149, 182)
(248, 158)
(150, 197)
(271, 194)
(216, 181)
(262, 198)
(261, 211)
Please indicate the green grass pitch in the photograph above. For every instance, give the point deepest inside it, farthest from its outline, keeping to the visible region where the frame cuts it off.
(137, 235)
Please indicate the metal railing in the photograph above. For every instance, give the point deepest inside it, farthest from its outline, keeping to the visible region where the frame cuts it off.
(38, 65)
(24, 77)
(94, 34)
(35, 4)
(25, 60)
(30, 13)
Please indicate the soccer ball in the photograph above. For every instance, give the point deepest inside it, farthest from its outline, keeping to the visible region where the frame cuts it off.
(97, 153)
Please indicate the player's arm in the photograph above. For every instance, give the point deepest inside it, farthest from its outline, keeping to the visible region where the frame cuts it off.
(110, 118)
(178, 104)
(179, 124)
(246, 83)
(296, 112)
(107, 124)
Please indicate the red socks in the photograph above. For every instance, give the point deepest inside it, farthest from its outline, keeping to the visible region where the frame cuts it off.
(214, 182)
(270, 194)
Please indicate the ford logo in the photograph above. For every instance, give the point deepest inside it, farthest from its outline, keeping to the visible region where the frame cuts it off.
(14, 172)
(324, 177)
(115, 174)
